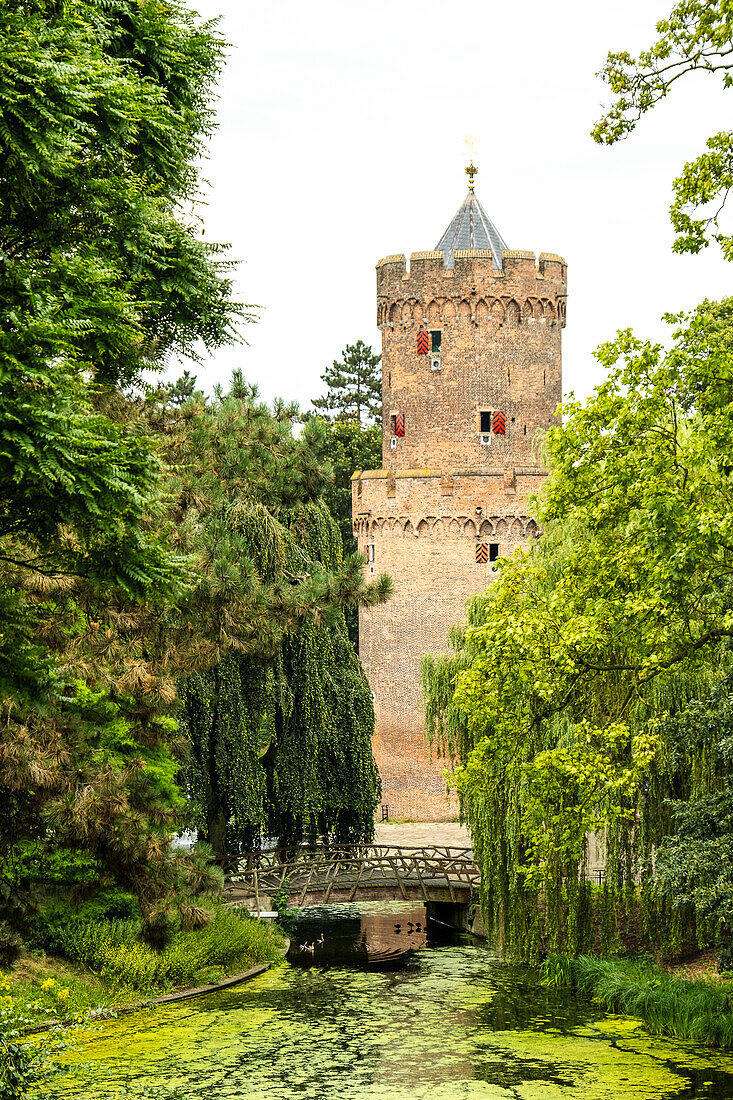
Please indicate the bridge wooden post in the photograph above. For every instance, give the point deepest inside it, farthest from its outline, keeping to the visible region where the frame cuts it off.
(334, 876)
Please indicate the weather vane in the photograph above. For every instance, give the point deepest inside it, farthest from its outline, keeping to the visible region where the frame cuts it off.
(471, 172)
(472, 169)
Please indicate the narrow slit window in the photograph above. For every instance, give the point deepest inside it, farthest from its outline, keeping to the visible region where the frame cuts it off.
(485, 420)
(435, 339)
(393, 424)
(493, 551)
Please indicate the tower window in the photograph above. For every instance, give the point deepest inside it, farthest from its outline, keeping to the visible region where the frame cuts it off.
(435, 339)
(393, 424)
(486, 551)
(369, 552)
(485, 420)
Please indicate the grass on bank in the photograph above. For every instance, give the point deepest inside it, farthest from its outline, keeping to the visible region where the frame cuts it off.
(98, 966)
(696, 1010)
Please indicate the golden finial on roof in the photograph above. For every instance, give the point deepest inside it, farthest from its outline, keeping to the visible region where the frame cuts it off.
(471, 172)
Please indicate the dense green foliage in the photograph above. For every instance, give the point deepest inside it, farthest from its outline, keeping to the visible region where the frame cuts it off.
(638, 987)
(349, 447)
(354, 386)
(264, 560)
(694, 865)
(25, 1066)
(696, 37)
(104, 109)
(572, 683)
(127, 521)
(280, 738)
(229, 941)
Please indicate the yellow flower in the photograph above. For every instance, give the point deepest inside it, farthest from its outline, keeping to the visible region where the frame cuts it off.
(48, 984)
(62, 994)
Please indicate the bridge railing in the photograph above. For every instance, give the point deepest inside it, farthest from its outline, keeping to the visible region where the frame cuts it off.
(242, 862)
(351, 868)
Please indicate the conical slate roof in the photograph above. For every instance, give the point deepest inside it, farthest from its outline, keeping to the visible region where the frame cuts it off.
(471, 228)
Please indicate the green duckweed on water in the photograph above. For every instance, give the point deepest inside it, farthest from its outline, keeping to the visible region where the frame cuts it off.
(454, 1022)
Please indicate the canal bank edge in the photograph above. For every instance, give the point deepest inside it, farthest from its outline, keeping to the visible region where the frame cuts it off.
(171, 998)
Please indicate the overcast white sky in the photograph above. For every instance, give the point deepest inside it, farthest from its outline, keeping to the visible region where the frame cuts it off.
(341, 137)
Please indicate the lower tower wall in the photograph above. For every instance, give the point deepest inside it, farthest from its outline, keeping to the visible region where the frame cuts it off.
(421, 527)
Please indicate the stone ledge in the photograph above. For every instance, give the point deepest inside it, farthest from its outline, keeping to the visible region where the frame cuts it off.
(487, 471)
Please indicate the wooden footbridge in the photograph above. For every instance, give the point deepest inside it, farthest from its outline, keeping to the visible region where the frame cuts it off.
(347, 873)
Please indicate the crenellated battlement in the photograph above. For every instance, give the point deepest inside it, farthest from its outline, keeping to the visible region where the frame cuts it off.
(473, 290)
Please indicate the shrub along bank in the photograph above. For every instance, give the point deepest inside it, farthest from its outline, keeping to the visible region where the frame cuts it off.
(696, 1010)
(99, 964)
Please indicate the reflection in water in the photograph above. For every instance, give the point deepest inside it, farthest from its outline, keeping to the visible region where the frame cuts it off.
(365, 937)
(374, 1007)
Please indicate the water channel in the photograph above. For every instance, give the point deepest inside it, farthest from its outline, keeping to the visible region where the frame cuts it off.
(373, 1006)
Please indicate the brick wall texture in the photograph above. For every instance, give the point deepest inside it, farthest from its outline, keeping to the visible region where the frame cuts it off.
(442, 490)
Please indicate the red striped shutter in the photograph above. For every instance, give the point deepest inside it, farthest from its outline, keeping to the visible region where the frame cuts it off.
(498, 423)
(423, 342)
(399, 424)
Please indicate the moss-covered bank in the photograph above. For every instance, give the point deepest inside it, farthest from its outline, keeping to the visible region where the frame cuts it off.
(102, 966)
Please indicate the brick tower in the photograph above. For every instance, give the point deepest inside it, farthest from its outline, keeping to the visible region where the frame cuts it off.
(471, 378)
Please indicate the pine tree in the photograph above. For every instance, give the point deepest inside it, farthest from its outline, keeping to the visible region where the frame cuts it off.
(182, 390)
(100, 756)
(350, 447)
(354, 386)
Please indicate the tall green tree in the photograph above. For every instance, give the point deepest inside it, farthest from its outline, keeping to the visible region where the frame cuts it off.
(279, 723)
(354, 386)
(350, 446)
(105, 110)
(696, 37)
(281, 747)
(561, 698)
(694, 862)
(96, 770)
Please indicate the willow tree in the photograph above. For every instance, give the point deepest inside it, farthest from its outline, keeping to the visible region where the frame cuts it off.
(279, 730)
(280, 743)
(561, 695)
